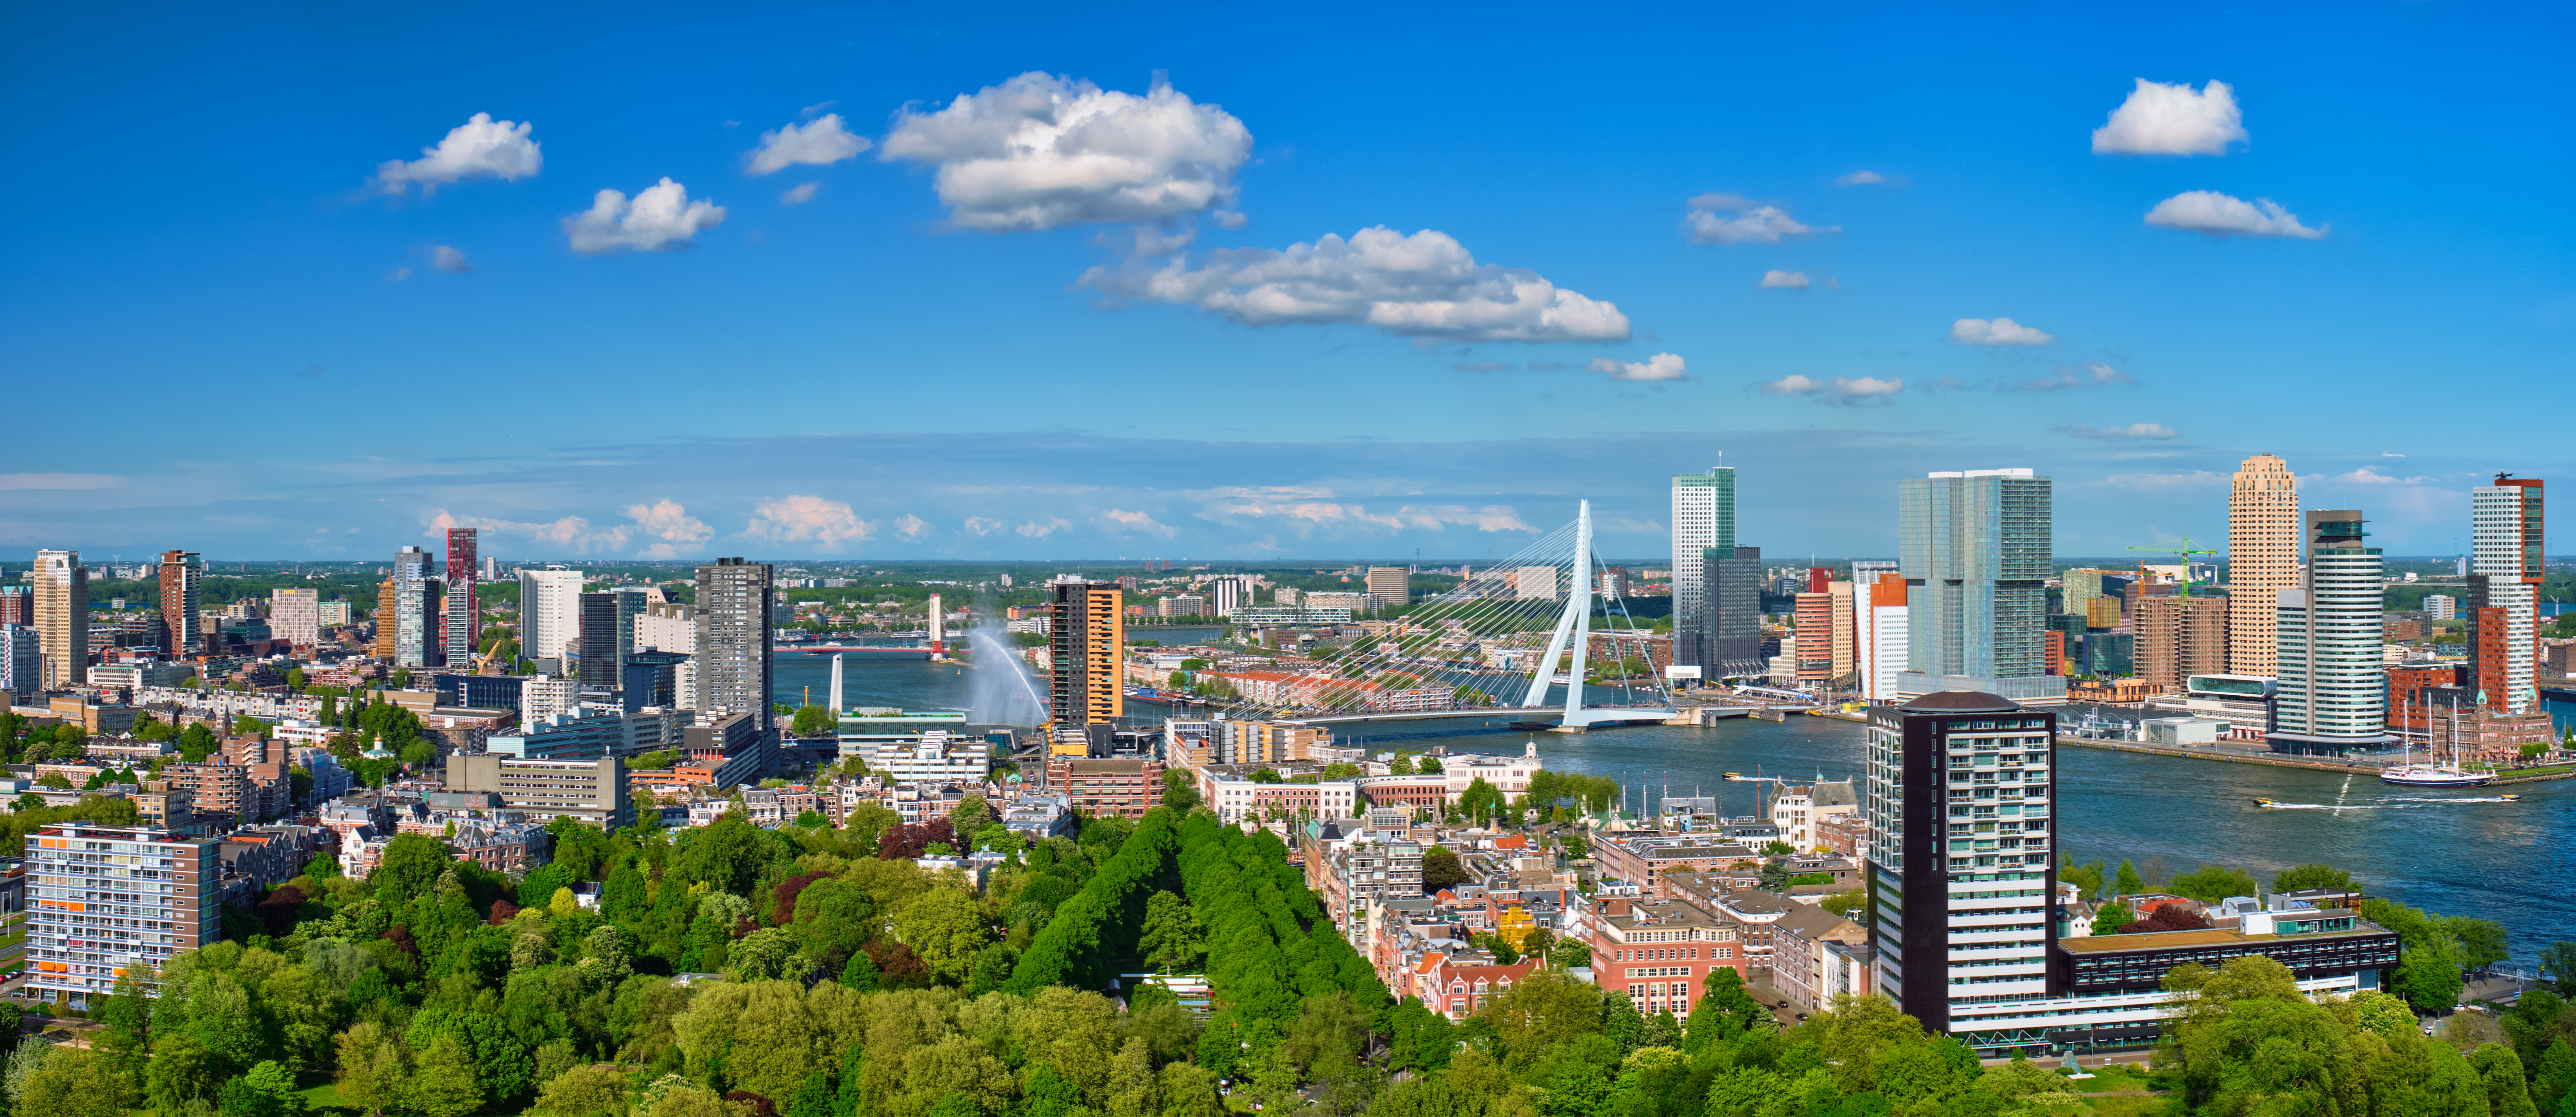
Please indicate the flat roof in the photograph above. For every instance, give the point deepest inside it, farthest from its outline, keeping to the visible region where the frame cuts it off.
(2211, 936)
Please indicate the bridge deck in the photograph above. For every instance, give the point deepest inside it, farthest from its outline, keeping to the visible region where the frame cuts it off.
(1516, 713)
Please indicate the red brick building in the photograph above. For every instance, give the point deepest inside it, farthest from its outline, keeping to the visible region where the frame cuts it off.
(1123, 786)
(1659, 952)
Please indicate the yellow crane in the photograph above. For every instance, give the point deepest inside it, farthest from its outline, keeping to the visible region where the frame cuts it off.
(2186, 551)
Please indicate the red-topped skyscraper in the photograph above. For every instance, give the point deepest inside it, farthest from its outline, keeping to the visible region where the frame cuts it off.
(462, 614)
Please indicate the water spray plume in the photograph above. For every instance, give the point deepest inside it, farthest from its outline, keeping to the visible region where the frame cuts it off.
(1000, 689)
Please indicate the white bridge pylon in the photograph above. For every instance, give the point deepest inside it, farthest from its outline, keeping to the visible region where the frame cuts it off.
(1574, 630)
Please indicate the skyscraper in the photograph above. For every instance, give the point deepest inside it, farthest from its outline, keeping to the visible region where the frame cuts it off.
(1729, 636)
(464, 613)
(733, 657)
(62, 618)
(1390, 585)
(1087, 652)
(1879, 615)
(2504, 582)
(416, 642)
(1226, 593)
(608, 623)
(549, 612)
(183, 575)
(22, 663)
(1975, 547)
(1962, 837)
(2333, 692)
(2262, 559)
(1703, 520)
(2179, 637)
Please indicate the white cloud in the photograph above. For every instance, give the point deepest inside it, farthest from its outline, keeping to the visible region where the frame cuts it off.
(398, 274)
(817, 143)
(2219, 215)
(2159, 482)
(1229, 220)
(661, 217)
(479, 148)
(1040, 529)
(2390, 454)
(1661, 366)
(1040, 151)
(21, 481)
(2001, 331)
(1837, 389)
(2160, 119)
(1424, 285)
(1150, 241)
(1304, 511)
(1865, 178)
(2131, 432)
(912, 528)
(980, 526)
(1117, 520)
(2093, 374)
(1745, 221)
(672, 525)
(800, 519)
(449, 260)
(1793, 280)
(799, 195)
(666, 522)
(2368, 476)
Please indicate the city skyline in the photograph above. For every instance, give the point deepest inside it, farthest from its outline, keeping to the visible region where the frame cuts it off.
(759, 286)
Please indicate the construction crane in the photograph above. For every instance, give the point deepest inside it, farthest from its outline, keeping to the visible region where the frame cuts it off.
(2186, 551)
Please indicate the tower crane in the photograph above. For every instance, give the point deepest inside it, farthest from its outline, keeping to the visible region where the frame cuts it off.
(2186, 551)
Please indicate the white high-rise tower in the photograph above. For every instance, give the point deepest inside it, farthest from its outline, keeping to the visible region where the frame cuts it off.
(1703, 518)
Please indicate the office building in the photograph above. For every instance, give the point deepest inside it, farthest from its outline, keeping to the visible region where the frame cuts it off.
(668, 626)
(2179, 637)
(608, 624)
(295, 616)
(1975, 547)
(1225, 595)
(1389, 585)
(464, 613)
(1814, 639)
(2441, 606)
(1535, 583)
(182, 576)
(18, 605)
(416, 640)
(383, 646)
(1726, 642)
(549, 612)
(1878, 645)
(1963, 850)
(62, 618)
(1087, 649)
(1181, 605)
(2333, 686)
(2505, 569)
(22, 663)
(652, 678)
(104, 899)
(334, 613)
(1703, 522)
(734, 630)
(592, 791)
(2262, 560)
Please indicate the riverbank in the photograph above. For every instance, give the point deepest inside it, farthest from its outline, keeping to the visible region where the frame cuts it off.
(2361, 767)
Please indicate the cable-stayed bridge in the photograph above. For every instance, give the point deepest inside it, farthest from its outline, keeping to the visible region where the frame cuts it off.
(1532, 637)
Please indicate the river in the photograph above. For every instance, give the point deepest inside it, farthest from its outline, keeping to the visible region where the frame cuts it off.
(2450, 852)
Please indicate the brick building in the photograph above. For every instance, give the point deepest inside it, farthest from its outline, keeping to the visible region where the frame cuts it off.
(1123, 786)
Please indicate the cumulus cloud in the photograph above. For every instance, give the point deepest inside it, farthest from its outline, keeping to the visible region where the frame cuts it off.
(1041, 151)
(807, 519)
(799, 195)
(980, 526)
(1150, 241)
(2219, 215)
(1425, 285)
(2132, 432)
(479, 148)
(1661, 366)
(2160, 119)
(449, 260)
(665, 528)
(1119, 520)
(1867, 178)
(1485, 366)
(2000, 331)
(816, 143)
(1793, 280)
(1736, 219)
(662, 217)
(1302, 512)
(1040, 529)
(1837, 389)
(912, 528)
(2090, 374)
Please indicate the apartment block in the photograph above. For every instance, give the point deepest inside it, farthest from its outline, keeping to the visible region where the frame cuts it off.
(1087, 649)
(62, 618)
(104, 898)
(592, 791)
(2262, 560)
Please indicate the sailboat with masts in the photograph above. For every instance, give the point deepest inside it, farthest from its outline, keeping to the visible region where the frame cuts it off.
(2432, 773)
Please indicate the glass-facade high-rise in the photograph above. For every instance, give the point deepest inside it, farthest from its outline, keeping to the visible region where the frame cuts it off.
(1703, 522)
(1976, 552)
(415, 619)
(2333, 692)
(2505, 571)
(464, 616)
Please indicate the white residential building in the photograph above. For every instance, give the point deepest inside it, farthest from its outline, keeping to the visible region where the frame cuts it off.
(296, 616)
(2333, 692)
(1703, 517)
(549, 611)
(668, 626)
(541, 697)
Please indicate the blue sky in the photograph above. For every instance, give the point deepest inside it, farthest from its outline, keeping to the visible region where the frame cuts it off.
(1060, 316)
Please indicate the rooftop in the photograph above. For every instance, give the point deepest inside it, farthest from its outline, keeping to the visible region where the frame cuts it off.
(1961, 702)
(2213, 936)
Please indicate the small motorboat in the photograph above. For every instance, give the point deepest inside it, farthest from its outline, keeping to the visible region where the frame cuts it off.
(2511, 798)
(2263, 802)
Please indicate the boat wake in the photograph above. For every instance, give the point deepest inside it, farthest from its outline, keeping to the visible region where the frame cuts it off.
(2395, 805)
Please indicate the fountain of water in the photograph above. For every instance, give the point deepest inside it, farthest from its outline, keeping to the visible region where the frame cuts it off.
(1000, 689)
